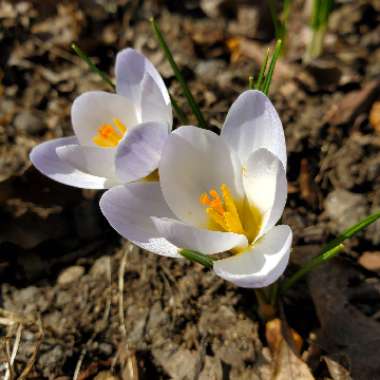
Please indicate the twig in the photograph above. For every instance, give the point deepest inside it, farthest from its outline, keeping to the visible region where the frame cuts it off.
(32, 360)
(9, 373)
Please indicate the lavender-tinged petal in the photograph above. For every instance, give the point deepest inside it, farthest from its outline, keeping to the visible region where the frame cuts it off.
(139, 153)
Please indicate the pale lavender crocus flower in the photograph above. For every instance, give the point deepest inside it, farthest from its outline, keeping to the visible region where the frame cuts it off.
(107, 148)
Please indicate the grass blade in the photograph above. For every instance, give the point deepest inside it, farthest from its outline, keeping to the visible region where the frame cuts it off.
(273, 14)
(351, 231)
(272, 65)
(185, 88)
(312, 264)
(180, 114)
(92, 65)
(263, 69)
(330, 250)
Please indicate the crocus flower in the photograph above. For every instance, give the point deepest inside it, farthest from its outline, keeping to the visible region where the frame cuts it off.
(107, 148)
(216, 194)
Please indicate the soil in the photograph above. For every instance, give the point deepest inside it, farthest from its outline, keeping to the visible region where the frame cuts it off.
(79, 302)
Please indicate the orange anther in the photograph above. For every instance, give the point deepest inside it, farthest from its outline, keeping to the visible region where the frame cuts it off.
(108, 136)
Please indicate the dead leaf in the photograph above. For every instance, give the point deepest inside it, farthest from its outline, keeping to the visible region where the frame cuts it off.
(285, 364)
(346, 333)
(337, 371)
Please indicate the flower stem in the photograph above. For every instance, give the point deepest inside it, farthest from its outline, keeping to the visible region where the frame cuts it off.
(265, 309)
(92, 65)
(185, 88)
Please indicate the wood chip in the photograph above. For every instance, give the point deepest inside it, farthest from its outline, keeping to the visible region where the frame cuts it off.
(370, 260)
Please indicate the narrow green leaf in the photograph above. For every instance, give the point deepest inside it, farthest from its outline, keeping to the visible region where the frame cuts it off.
(273, 13)
(321, 10)
(197, 257)
(272, 65)
(185, 88)
(312, 264)
(180, 114)
(92, 65)
(260, 79)
(351, 231)
(330, 250)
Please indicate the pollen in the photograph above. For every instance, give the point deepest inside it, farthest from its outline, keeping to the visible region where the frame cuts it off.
(109, 135)
(222, 210)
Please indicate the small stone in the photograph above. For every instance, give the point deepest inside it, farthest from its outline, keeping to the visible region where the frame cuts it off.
(210, 69)
(100, 267)
(345, 208)
(70, 274)
(105, 348)
(26, 121)
(370, 260)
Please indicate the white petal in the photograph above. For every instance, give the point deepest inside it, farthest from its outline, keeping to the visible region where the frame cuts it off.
(93, 109)
(129, 208)
(45, 159)
(262, 264)
(266, 187)
(139, 153)
(205, 241)
(131, 68)
(88, 159)
(153, 106)
(252, 123)
(195, 161)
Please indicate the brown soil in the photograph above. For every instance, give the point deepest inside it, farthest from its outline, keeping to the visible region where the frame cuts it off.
(84, 301)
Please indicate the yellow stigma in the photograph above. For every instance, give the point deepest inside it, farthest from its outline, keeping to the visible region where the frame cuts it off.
(222, 210)
(108, 136)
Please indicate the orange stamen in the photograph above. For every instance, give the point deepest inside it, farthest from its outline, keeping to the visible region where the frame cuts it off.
(222, 210)
(108, 136)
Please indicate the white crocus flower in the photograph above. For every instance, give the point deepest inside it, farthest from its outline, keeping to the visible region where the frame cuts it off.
(216, 194)
(118, 137)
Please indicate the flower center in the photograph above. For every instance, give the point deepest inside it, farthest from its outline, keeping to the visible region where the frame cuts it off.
(109, 135)
(223, 210)
(230, 215)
